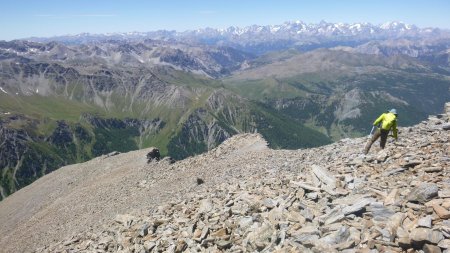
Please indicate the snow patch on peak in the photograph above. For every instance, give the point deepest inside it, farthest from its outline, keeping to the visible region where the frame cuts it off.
(275, 29)
(356, 26)
(393, 25)
(386, 25)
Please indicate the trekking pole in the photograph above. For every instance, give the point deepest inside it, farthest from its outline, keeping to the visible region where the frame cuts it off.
(371, 132)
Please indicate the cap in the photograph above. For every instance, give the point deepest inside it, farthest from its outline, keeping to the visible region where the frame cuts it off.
(393, 111)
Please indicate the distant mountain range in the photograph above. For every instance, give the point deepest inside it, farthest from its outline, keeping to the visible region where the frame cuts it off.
(261, 39)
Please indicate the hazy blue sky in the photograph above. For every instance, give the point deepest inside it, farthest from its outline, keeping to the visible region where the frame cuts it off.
(25, 18)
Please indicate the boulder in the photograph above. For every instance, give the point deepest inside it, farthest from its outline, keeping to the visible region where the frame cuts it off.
(261, 237)
(324, 176)
(425, 222)
(428, 248)
(307, 240)
(441, 212)
(337, 237)
(423, 193)
(421, 236)
(357, 206)
(445, 244)
(223, 244)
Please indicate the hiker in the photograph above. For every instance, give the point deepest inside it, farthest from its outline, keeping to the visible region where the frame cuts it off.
(385, 123)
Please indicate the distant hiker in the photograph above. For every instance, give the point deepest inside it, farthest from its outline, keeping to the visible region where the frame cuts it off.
(385, 123)
(153, 155)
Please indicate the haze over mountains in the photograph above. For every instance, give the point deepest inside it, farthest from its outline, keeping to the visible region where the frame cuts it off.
(68, 99)
(261, 39)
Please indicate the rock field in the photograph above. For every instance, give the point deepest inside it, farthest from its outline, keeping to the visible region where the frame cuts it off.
(245, 197)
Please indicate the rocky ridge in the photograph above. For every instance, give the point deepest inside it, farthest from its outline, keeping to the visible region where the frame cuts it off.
(242, 196)
(261, 39)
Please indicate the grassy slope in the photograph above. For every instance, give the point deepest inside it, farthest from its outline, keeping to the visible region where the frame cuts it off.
(52, 108)
(294, 77)
(56, 108)
(282, 132)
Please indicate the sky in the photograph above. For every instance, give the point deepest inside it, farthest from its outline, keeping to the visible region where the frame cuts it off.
(46, 18)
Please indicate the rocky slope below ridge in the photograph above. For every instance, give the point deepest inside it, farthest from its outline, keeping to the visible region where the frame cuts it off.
(252, 198)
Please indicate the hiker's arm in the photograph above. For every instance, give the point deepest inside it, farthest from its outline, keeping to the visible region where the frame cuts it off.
(377, 121)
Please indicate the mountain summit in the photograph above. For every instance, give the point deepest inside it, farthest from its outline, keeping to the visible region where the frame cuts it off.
(243, 196)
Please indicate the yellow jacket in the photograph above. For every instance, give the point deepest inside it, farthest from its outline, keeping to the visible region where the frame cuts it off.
(388, 121)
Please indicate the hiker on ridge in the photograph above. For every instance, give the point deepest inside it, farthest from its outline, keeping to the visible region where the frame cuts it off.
(388, 121)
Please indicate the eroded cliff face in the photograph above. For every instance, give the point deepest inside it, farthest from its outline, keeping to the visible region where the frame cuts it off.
(21, 158)
(224, 115)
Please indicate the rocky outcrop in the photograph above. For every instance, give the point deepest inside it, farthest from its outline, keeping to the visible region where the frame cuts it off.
(145, 127)
(252, 198)
(214, 61)
(13, 146)
(198, 134)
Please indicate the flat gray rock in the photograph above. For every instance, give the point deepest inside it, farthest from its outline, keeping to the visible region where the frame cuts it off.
(423, 193)
(425, 235)
(425, 222)
(358, 206)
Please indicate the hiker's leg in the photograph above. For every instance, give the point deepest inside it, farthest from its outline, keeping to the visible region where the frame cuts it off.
(384, 135)
(375, 136)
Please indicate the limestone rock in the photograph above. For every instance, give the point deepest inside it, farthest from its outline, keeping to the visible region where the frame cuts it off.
(324, 176)
(261, 237)
(444, 244)
(428, 248)
(425, 222)
(441, 212)
(424, 235)
(423, 193)
(358, 206)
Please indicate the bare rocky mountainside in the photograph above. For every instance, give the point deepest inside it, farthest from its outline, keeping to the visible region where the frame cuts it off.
(244, 197)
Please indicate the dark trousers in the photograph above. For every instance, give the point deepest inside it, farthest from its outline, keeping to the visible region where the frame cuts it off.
(379, 133)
